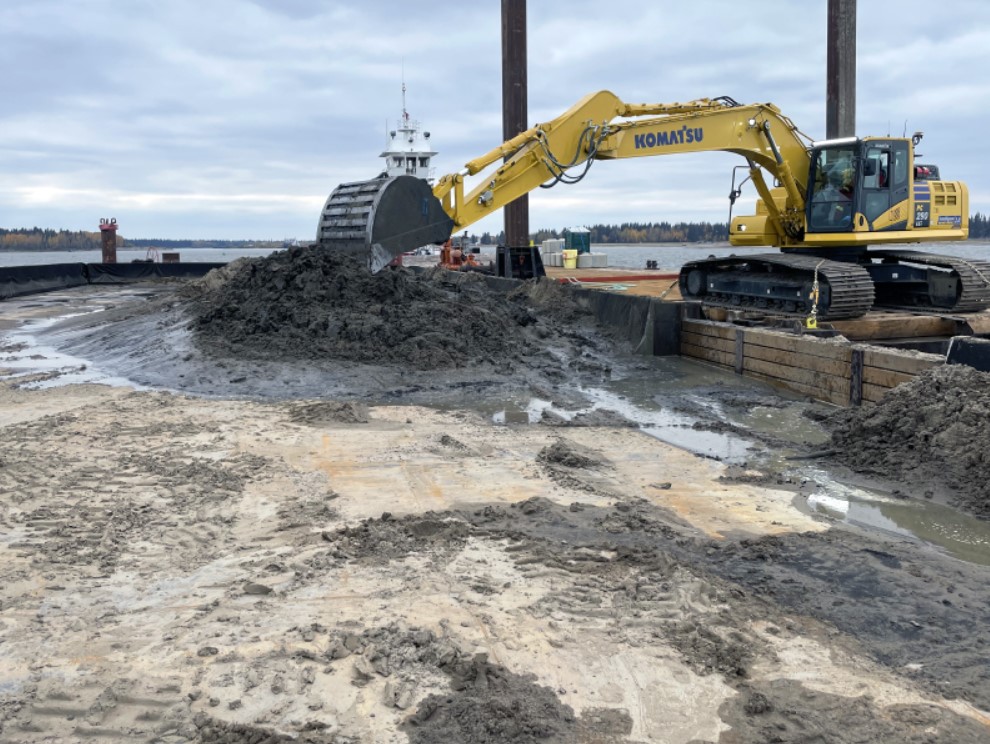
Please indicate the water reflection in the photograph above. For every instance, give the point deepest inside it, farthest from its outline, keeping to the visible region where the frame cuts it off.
(23, 355)
(665, 425)
(960, 535)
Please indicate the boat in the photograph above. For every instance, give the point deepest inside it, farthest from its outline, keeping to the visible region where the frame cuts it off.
(408, 153)
(407, 148)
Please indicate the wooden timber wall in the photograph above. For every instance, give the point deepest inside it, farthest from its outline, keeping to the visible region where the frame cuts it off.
(831, 370)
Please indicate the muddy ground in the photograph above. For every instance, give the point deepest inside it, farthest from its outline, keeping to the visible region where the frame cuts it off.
(253, 554)
(309, 323)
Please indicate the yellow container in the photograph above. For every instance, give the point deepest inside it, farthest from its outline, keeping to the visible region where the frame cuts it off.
(570, 259)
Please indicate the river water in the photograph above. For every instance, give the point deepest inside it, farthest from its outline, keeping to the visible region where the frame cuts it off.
(670, 256)
(188, 255)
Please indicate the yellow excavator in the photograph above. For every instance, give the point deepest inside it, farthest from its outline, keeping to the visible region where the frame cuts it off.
(820, 203)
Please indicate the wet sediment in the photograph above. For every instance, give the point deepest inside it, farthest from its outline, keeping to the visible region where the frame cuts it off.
(929, 434)
(222, 529)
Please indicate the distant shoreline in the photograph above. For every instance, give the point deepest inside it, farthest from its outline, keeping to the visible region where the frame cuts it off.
(670, 244)
(246, 246)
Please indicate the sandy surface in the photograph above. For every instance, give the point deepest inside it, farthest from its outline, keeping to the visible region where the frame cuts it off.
(179, 568)
(184, 562)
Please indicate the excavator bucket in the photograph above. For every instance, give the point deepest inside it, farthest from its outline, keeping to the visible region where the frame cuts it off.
(380, 219)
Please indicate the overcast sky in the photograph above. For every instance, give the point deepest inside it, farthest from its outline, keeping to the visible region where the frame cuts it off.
(236, 118)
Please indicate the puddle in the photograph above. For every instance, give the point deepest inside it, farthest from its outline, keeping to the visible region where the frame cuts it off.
(954, 532)
(25, 356)
(787, 422)
(942, 527)
(672, 428)
(650, 395)
(527, 412)
(665, 425)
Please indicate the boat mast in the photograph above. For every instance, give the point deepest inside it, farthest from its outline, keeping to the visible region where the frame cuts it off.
(407, 148)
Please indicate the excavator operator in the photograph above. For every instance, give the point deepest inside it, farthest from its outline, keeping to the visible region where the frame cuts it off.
(833, 203)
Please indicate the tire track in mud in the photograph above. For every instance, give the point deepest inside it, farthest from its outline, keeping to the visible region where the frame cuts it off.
(616, 571)
(919, 612)
(626, 573)
(922, 614)
(622, 570)
(81, 515)
(928, 620)
(625, 568)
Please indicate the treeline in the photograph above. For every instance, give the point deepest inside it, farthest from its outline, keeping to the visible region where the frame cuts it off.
(656, 232)
(635, 232)
(228, 244)
(37, 239)
(979, 227)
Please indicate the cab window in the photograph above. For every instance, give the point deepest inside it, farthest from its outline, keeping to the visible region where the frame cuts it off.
(833, 190)
(901, 166)
(876, 169)
(876, 182)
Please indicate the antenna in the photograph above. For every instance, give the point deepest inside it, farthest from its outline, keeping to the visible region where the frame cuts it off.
(904, 133)
(405, 115)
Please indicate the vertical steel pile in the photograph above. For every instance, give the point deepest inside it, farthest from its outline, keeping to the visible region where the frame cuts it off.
(514, 111)
(840, 87)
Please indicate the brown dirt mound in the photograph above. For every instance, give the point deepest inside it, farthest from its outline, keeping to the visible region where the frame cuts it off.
(928, 432)
(310, 303)
(493, 707)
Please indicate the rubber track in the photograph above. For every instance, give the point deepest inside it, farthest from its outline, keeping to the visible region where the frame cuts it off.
(973, 274)
(850, 284)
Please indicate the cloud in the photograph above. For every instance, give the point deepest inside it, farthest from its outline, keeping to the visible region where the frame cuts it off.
(196, 119)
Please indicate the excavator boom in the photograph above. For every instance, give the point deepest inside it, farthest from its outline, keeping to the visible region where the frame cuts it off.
(381, 218)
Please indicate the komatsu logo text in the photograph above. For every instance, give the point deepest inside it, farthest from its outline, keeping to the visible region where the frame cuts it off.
(683, 136)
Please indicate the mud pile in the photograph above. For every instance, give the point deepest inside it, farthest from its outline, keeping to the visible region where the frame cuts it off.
(308, 303)
(493, 706)
(929, 432)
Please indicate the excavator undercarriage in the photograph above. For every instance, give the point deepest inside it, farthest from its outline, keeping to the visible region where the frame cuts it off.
(912, 280)
(781, 284)
(801, 285)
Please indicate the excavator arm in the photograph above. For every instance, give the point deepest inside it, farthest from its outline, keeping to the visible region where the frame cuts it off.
(381, 218)
(601, 127)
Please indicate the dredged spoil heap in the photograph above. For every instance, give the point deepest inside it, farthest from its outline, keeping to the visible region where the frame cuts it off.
(932, 430)
(309, 303)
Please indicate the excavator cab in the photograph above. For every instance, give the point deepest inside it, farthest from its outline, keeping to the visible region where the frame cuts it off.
(859, 185)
